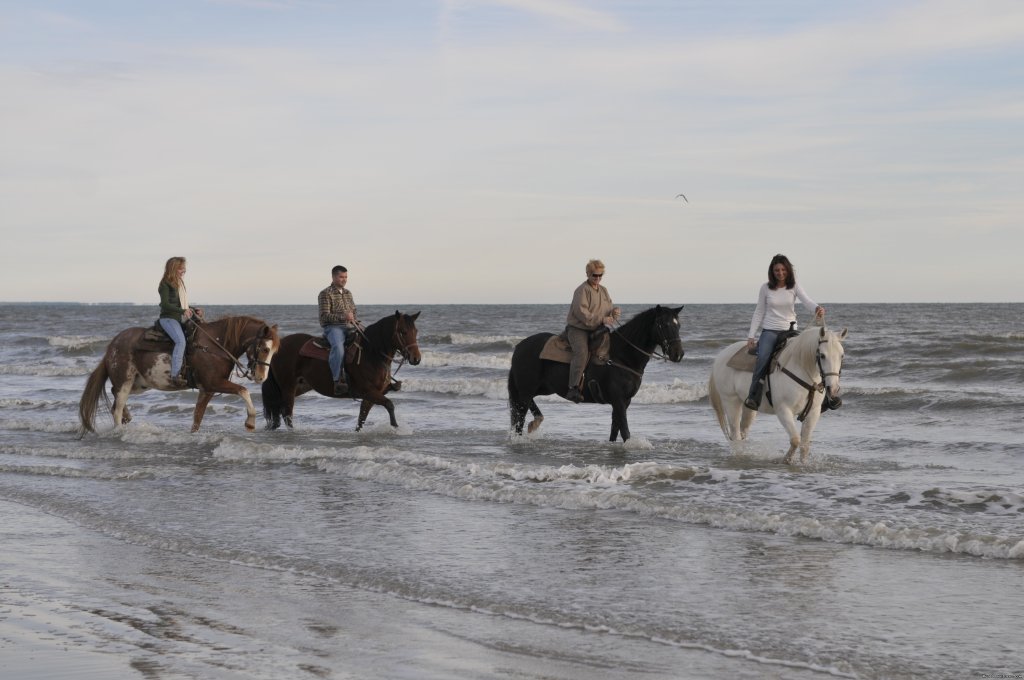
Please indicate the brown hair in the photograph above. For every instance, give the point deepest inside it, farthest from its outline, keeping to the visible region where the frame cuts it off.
(171, 271)
(790, 274)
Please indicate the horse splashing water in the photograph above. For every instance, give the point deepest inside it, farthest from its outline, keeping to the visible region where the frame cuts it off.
(614, 381)
(805, 376)
(293, 372)
(133, 364)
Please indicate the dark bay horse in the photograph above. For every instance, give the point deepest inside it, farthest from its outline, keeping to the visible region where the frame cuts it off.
(133, 364)
(292, 373)
(615, 382)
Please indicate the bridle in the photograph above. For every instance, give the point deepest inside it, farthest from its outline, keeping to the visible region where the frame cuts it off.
(662, 336)
(251, 354)
(402, 346)
(815, 387)
(399, 339)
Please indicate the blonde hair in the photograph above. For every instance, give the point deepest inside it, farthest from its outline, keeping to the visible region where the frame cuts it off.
(171, 272)
(594, 266)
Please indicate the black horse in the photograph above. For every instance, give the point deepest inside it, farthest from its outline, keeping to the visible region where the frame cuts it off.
(614, 382)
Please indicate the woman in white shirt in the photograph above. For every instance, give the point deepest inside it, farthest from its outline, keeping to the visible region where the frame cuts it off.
(775, 311)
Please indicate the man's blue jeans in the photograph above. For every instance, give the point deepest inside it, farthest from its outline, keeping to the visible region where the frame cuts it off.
(336, 336)
(177, 333)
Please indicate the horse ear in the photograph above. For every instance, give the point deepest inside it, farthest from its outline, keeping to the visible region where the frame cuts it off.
(678, 309)
(398, 314)
(822, 331)
(414, 316)
(842, 336)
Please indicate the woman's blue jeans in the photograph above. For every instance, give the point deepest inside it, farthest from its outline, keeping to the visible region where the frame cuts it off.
(765, 345)
(177, 333)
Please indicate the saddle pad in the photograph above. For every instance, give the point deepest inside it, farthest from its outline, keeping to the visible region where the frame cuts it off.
(742, 360)
(557, 349)
(314, 350)
(154, 341)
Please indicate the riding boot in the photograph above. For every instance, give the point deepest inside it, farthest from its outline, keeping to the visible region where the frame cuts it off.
(574, 395)
(753, 401)
(341, 387)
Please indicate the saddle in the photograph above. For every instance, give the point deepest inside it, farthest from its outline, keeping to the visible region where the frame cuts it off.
(746, 360)
(319, 348)
(557, 348)
(155, 339)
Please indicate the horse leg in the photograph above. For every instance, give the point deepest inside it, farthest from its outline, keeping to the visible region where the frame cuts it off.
(538, 418)
(120, 408)
(200, 410)
(364, 410)
(619, 422)
(805, 432)
(517, 412)
(744, 418)
(788, 421)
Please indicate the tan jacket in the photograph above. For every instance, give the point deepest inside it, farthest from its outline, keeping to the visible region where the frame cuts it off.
(589, 307)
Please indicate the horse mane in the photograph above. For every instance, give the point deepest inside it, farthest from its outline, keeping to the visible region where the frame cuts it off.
(234, 326)
(633, 328)
(379, 332)
(804, 347)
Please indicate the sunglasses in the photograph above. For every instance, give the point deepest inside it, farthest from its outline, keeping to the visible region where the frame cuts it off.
(596, 276)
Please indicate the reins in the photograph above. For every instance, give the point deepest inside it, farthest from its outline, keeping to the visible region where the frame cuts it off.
(240, 371)
(649, 355)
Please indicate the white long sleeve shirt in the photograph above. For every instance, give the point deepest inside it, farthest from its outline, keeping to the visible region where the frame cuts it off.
(777, 308)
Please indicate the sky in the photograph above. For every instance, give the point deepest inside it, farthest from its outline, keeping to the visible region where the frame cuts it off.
(482, 151)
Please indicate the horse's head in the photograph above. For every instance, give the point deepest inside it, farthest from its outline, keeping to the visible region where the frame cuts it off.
(405, 337)
(830, 363)
(261, 350)
(666, 331)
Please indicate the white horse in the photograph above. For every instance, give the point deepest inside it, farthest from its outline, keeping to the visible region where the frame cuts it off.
(806, 374)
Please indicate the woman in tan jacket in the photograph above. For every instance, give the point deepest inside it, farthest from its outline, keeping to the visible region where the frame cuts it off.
(590, 309)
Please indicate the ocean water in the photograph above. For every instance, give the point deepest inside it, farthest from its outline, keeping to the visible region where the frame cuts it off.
(449, 549)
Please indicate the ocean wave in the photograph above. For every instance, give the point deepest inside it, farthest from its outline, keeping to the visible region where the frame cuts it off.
(25, 424)
(444, 359)
(76, 343)
(676, 392)
(73, 473)
(471, 340)
(596, 487)
(44, 370)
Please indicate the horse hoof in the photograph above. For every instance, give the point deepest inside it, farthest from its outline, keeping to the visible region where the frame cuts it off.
(534, 424)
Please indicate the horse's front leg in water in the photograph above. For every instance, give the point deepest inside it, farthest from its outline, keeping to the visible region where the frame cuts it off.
(619, 423)
(788, 420)
(201, 403)
(364, 410)
(390, 406)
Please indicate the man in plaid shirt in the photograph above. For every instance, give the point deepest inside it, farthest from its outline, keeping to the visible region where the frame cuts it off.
(337, 317)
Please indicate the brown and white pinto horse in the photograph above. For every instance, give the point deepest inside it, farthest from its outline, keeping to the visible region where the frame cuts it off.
(292, 373)
(133, 365)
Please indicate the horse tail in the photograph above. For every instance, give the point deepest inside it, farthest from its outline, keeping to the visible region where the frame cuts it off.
(94, 389)
(273, 400)
(716, 403)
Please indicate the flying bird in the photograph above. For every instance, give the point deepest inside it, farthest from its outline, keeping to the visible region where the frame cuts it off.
(684, 197)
